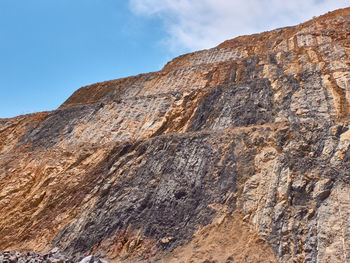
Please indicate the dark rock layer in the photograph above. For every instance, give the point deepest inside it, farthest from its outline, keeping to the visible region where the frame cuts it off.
(239, 153)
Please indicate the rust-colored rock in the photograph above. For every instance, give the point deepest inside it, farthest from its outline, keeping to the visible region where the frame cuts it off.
(238, 153)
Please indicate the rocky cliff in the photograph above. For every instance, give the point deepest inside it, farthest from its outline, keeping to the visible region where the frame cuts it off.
(240, 153)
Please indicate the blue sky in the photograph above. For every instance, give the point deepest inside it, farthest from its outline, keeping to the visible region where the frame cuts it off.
(50, 48)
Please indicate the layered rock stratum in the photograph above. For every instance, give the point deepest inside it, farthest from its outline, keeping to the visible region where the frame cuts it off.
(239, 153)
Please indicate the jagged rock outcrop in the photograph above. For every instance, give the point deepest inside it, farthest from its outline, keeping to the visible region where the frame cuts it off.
(238, 153)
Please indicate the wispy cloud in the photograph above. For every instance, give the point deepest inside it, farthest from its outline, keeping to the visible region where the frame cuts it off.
(199, 24)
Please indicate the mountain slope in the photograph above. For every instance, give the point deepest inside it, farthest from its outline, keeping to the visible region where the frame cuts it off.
(238, 153)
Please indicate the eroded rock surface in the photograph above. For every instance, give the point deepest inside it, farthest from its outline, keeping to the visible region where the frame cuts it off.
(238, 153)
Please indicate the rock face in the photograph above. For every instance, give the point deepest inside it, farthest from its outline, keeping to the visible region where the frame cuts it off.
(240, 153)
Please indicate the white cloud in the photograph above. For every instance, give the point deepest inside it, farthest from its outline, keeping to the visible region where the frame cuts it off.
(199, 24)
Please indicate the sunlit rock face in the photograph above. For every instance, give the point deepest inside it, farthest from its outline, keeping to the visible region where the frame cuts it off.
(238, 153)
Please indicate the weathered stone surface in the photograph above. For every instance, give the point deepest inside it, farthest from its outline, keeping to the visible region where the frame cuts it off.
(52, 257)
(238, 153)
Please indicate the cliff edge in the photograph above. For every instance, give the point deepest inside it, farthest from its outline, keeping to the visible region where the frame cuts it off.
(239, 153)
